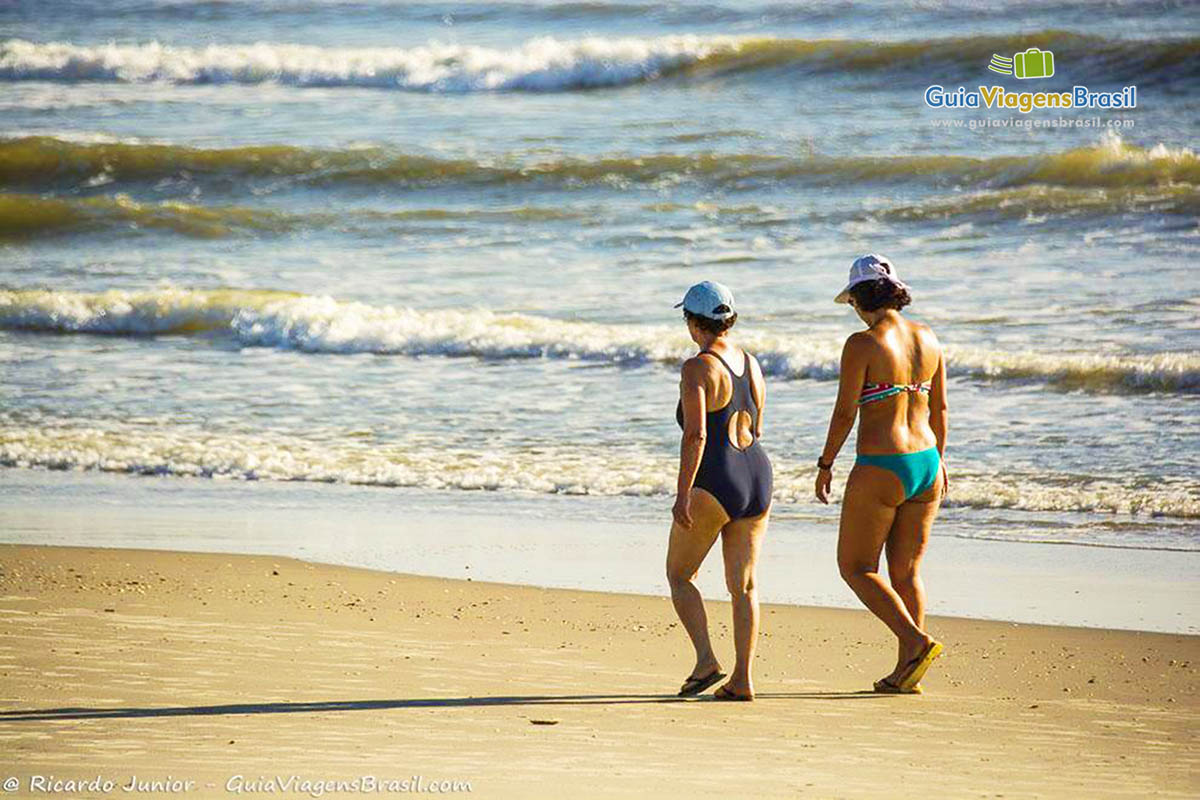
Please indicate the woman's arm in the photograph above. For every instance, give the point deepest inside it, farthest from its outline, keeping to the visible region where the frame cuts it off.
(851, 376)
(691, 446)
(939, 416)
(939, 410)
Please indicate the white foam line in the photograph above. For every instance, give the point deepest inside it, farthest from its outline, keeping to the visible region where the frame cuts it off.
(180, 450)
(326, 325)
(541, 64)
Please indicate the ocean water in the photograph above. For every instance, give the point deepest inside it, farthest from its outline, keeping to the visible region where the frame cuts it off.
(436, 245)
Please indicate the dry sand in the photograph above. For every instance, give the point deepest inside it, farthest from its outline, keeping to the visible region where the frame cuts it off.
(116, 663)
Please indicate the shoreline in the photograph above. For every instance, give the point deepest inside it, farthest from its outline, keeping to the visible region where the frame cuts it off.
(563, 542)
(207, 665)
(166, 554)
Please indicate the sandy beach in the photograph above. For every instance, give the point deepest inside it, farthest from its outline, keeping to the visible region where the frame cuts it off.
(340, 351)
(231, 672)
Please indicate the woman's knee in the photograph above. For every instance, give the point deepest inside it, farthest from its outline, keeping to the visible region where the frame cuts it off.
(678, 576)
(903, 577)
(852, 568)
(740, 584)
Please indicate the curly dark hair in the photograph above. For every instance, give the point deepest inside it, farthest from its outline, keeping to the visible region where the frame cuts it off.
(879, 293)
(713, 326)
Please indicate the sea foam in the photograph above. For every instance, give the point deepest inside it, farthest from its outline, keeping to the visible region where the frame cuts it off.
(549, 64)
(172, 449)
(325, 325)
(541, 64)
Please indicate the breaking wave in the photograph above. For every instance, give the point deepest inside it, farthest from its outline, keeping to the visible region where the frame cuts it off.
(1109, 164)
(1024, 202)
(24, 216)
(547, 64)
(174, 450)
(543, 64)
(325, 325)
(28, 216)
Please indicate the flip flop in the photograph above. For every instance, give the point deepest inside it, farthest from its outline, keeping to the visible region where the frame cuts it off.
(915, 670)
(729, 695)
(884, 686)
(694, 686)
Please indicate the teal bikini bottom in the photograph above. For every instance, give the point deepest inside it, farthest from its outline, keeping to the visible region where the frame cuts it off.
(916, 471)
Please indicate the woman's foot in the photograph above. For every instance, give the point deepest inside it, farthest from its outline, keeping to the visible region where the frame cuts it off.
(909, 674)
(729, 692)
(908, 652)
(705, 667)
(739, 684)
(885, 686)
(700, 679)
(702, 673)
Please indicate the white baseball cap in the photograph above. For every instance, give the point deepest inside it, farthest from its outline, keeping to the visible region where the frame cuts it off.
(709, 299)
(870, 267)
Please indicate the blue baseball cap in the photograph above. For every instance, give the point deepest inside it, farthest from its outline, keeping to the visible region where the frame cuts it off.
(709, 299)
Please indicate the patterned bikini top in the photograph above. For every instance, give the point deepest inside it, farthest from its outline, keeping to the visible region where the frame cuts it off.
(878, 391)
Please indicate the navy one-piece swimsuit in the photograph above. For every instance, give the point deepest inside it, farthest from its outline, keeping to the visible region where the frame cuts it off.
(740, 478)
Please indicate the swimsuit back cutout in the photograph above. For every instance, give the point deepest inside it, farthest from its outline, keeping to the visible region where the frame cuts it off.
(878, 391)
(741, 398)
(740, 478)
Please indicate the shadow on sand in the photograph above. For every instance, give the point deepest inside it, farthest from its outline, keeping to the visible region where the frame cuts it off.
(44, 714)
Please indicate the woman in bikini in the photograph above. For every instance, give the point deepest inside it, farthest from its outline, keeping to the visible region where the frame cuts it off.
(724, 486)
(893, 378)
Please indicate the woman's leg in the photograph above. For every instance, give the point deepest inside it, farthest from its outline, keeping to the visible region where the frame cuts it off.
(740, 544)
(685, 552)
(905, 547)
(868, 512)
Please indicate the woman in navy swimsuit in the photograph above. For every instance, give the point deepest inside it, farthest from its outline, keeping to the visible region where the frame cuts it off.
(724, 486)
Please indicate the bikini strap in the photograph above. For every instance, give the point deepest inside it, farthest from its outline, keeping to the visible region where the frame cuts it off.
(919, 386)
(878, 391)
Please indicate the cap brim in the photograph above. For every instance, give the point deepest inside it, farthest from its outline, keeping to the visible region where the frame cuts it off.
(843, 295)
(678, 305)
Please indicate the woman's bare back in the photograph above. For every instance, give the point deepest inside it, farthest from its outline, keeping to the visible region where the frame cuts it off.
(900, 352)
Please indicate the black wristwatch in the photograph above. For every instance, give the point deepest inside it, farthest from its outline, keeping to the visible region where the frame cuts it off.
(822, 465)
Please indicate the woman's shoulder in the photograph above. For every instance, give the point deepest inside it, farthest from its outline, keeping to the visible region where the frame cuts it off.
(701, 365)
(917, 325)
(754, 362)
(704, 357)
(923, 331)
(861, 342)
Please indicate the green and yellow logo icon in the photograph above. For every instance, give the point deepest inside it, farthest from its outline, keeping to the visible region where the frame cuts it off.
(1033, 63)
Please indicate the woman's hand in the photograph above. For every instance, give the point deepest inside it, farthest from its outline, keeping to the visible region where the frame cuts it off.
(682, 511)
(824, 484)
(945, 480)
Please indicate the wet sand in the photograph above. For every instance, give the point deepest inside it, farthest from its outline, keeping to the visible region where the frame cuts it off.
(205, 667)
